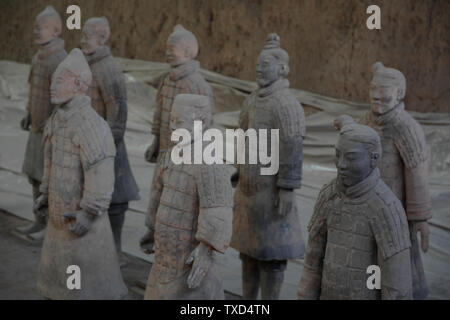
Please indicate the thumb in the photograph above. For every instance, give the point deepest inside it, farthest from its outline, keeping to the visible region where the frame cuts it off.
(70, 215)
(191, 257)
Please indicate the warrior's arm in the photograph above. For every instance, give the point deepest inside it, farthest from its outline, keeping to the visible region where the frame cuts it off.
(97, 160)
(155, 196)
(290, 122)
(310, 283)
(43, 188)
(418, 202)
(114, 96)
(396, 279)
(216, 214)
(156, 125)
(30, 77)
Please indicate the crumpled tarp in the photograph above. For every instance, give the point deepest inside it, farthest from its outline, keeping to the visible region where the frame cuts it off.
(142, 78)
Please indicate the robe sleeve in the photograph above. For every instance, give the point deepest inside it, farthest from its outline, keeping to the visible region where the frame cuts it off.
(215, 199)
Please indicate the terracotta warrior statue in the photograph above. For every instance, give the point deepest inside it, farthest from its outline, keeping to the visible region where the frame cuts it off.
(109, 98)
(357, 222)
(47, 28)
(184, 77)
(77, 186)
(266, 225)
(190, 215)
(404, 165)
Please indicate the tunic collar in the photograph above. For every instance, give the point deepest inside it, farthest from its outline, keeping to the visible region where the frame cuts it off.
(387, 118)
(53, 46)
(277, 85)
(98, 55)
(184, 70)
(66, 110)
(361, 188)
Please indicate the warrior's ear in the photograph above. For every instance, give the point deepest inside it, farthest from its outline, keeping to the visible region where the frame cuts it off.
(284, 70)
(374, 160)
(400, 94)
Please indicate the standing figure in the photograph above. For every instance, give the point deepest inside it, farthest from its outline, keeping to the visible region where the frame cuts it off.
(109, 98)
(184, 77)
(404, 165)
(266, 224)
(357, 222)
(47, 28)
(190, 215)
(77, 185)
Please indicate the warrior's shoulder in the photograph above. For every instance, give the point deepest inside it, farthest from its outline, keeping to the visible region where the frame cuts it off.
(290, 113)
(388, 220)
(53, 60)
(326, 193)
(195, 83)
(409, 139)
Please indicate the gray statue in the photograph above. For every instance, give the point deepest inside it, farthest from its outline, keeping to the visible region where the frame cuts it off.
(404, 165)
(76, 187)
(109, 98)
(51, 52)
(266, 225)
(190, 215)
(357, 223)
(184, 78)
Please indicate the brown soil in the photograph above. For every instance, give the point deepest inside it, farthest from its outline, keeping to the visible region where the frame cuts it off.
(330, 47)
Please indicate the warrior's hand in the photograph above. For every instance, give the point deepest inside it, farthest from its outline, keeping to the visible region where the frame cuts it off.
(25, 123)
(422, 227)
(83, 222)
(40, 207)
(147, 242)
(202, 260)
(151, 154)
(235, 179)
(285, 202)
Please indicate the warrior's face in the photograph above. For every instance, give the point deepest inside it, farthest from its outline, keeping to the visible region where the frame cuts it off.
(383, 96)
(177, 53)
(353, 161)
(267, 69)
(45, 30)
(91, 41)
(63, 87)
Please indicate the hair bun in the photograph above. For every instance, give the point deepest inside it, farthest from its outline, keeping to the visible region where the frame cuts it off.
(273, 41)
(377, 66)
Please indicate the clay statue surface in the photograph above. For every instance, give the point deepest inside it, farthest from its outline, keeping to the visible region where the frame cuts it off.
(266, 225)
(184, 77)
(109, 98)
(404, 165)
(51, 52)
(77, 185)
(190, 216)
(357, 222)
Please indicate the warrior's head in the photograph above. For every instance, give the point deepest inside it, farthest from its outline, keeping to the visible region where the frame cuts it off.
(387, 89)
(95, 33)
(273, 62)
(182, 46)
(71, 78)
(357, 152)
(188, 108)
(47, 26)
